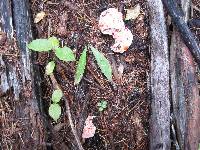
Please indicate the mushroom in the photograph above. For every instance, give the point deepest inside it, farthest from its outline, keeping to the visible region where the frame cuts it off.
(111, 23)
(89, 128)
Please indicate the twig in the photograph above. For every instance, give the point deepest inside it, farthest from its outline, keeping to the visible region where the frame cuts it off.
(57, 86)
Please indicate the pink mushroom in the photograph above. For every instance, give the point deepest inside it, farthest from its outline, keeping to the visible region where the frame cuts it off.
(111, 22)
(89, 128)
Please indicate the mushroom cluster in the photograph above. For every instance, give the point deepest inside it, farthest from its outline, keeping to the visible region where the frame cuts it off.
(111, 22)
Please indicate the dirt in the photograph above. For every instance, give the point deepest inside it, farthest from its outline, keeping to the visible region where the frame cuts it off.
(124, 123)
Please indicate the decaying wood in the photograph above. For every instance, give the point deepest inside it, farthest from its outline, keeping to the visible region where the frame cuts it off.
(160, 103)
(8, 79)
(185, 96)
(20, 76)
(181, 25)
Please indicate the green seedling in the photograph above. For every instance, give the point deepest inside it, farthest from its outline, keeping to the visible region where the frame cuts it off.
(63, 54)
(102, 105)
(54, 108)
(52, 44)
(66, 54)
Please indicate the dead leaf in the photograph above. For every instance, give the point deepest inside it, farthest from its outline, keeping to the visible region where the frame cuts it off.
(133, 13)
(123, 40)
(39, 16)
(111, 21)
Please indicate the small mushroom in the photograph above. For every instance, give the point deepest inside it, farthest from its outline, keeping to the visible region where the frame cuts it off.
(89, 128)
(123, 40)
(111, 22)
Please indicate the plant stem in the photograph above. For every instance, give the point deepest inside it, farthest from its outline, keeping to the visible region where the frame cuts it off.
(57, 86)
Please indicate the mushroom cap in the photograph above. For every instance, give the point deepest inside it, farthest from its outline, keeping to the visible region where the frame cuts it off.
(89, 128)
(123, 40)
(111, 20)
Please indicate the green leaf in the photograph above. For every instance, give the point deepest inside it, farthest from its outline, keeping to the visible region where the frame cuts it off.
(50, 67)
(101, 108)
(54, 41)
(56, 96)
(55, 111)
(81, 67)
(104, 104)
(40, 45)
(65, 54)
(103, 63)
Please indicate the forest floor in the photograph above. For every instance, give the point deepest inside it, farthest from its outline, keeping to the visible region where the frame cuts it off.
(124, 124)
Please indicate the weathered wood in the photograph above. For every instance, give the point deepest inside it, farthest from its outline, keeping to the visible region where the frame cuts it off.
(6, 17)
(8, 78)
(26, 113)
(181, 25)
(177, 86)
(185, 96)
(160, 103)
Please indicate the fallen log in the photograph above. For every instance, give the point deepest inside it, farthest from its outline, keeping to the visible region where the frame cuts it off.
(19, 75)
(160, 103)
(187, 36)
(184, 87)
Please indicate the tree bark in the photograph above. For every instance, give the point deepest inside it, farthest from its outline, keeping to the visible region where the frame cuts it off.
(21, 77)
(185, 93)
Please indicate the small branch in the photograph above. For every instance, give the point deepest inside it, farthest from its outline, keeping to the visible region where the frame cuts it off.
(57, 86)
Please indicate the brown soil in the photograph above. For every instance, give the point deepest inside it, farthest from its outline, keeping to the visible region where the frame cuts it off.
(124, 124)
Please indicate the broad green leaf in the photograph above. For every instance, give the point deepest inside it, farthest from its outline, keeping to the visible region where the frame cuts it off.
(65, 54)
(103, 63)
(50, 67)
(55, 111)
(56, 96)
(40, 45)
(54, 41)
(81, 66)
